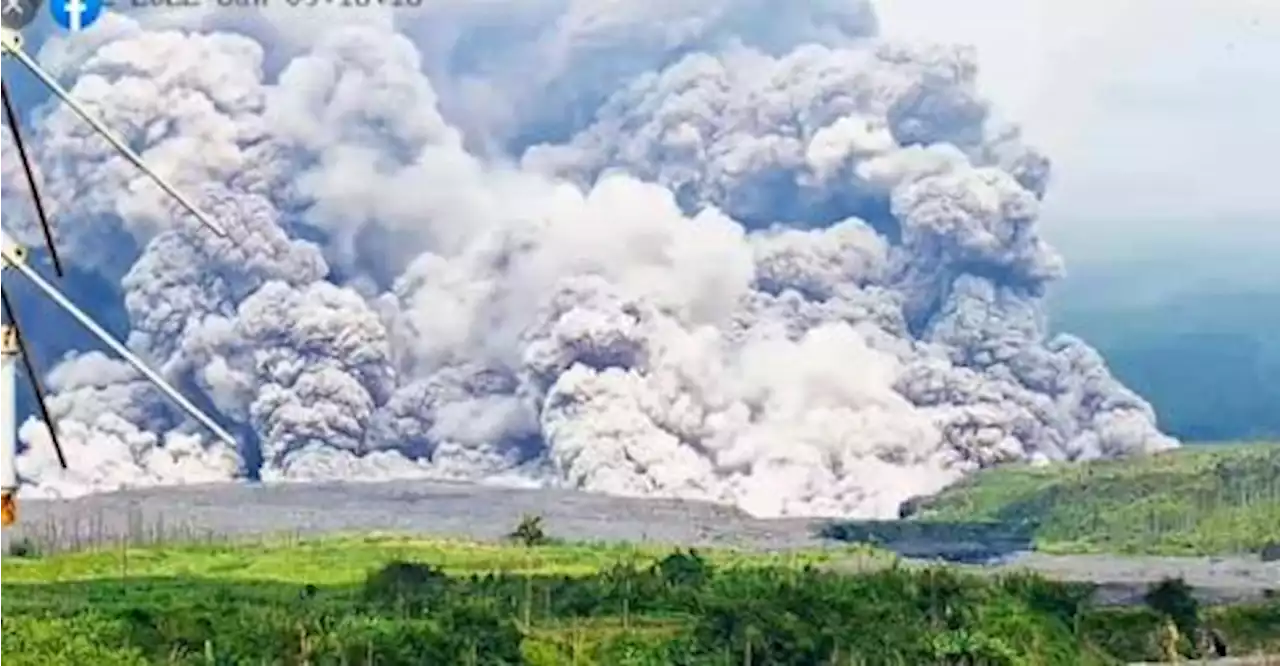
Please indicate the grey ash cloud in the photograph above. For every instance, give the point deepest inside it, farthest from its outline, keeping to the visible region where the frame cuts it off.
(751, 253)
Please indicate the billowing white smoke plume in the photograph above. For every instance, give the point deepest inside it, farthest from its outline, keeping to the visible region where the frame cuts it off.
(772, 261)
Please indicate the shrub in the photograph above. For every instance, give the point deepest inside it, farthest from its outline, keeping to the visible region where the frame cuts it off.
(1065, 601)
(684, 569)
(409, 587)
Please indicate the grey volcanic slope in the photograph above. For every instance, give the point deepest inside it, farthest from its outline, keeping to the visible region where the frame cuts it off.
(420, 507)
(488, 513)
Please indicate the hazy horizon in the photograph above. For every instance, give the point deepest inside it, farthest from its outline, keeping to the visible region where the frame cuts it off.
(1154, 114)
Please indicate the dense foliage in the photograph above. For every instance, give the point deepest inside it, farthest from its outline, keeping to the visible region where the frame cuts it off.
(1206, 499)
(678, 610)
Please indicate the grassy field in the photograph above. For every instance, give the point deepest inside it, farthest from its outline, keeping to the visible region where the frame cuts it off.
(346, 560)
(1202, 499)
(396, 600)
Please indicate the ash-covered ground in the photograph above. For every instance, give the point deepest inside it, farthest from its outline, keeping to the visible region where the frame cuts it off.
(486, 513)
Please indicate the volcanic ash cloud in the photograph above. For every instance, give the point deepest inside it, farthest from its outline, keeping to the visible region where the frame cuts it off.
(786, 265)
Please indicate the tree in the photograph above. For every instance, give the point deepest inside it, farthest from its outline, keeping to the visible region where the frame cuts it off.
(1173, 599)
(530, 532)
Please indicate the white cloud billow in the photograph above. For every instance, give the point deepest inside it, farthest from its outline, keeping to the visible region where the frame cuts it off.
(777, 263)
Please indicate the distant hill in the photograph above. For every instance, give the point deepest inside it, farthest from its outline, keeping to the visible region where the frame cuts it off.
(1199, 500)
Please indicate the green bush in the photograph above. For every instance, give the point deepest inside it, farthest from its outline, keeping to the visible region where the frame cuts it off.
(408, 587)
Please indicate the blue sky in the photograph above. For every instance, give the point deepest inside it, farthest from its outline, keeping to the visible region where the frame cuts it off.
(1159, 116)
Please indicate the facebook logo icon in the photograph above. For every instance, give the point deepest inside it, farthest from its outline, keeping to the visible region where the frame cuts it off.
(75, 15)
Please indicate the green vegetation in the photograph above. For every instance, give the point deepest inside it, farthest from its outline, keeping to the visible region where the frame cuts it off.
(389, 600)
(1205, 499)
(346, 560)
